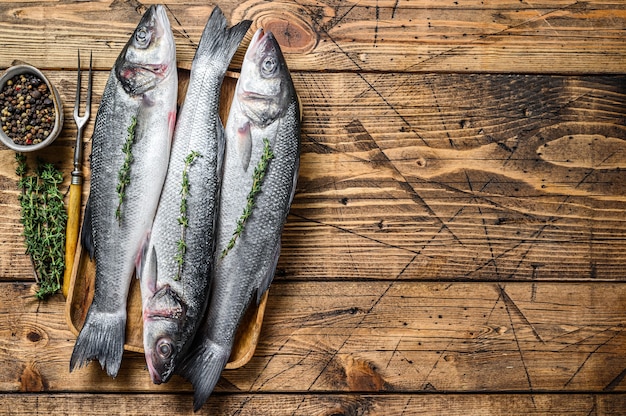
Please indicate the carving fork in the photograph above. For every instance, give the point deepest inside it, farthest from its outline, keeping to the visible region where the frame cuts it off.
(76, 185)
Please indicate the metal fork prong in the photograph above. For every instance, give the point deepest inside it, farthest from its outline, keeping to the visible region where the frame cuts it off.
(77, 102)
(89, 82)
(82, 120)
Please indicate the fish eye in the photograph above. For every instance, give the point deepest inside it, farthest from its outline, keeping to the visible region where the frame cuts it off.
(269, 65)
(142, 35)
(164, 348)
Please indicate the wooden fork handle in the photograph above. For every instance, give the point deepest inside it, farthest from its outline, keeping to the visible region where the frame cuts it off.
(71, 234)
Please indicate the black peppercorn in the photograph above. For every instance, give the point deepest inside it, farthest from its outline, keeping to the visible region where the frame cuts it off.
(26, 109)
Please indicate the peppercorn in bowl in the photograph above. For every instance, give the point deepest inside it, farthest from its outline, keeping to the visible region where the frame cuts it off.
(31, 113)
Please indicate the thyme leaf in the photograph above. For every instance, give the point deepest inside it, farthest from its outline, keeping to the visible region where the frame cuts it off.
(44, 219)
(257, 180)
(183, 220)
(123, 175)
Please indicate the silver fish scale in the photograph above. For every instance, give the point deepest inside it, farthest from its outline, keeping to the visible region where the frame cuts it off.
(115, 242)
(197, 131)
(244, 269)
(132, 91)
(113, 237)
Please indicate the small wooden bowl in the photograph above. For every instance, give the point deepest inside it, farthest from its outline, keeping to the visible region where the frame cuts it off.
(82, 281)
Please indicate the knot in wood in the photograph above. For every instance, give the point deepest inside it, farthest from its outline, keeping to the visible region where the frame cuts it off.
(362, 375)
(293, 36)
(36, 335)
(31, 379)
(291, 27)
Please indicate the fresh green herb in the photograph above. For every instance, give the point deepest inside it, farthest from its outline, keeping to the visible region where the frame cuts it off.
(257, 180)
(44, 219)
(124, 173)
(183, 220)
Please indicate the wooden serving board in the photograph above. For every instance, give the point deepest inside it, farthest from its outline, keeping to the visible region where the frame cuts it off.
(82, 281)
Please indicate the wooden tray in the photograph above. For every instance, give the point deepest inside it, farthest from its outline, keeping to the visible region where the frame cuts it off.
(81, 288)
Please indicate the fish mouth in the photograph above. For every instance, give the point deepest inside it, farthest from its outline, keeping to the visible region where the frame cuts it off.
(263, 40)
(258, 36)
(170, 314)
(251, 95)
(165, 304)
(157, 69)
(160, 315)
(154, 374)
(157, 16)
(160, 15)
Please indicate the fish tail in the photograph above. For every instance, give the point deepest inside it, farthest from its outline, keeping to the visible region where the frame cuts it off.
(219, 41)
(101, 338)
(202, 368)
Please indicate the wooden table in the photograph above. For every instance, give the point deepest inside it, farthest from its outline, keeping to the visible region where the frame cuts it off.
(457, 243)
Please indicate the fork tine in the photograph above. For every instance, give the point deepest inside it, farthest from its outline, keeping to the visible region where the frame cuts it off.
(82, 120)
(89, 83)
(77, 102)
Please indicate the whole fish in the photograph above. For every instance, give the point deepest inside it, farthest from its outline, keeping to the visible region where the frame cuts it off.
(179, 257)
(130, 153)
(262, 139)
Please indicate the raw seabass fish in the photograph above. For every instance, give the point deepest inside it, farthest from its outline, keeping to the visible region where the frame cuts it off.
(260, 171)
(130, 153)
(177, 265)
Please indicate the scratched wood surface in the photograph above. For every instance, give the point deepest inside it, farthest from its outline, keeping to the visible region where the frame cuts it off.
(325, 404)
(457, 243)
(548, 36)
(379, 336)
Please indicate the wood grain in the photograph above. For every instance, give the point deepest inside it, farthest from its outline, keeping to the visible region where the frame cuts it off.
(447, 177)
(318, 405)
(457, 243)
(358, 337)
(396, 36)
(433, 177)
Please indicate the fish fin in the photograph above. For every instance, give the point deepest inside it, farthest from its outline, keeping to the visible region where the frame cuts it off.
(269, 274)
(171, 123)
(147, 274)
(86, 235)
(202, 368)
(219, 41)
(141, 255)
(295, 181)
(101, 338)
(151, 271)
(244, 145)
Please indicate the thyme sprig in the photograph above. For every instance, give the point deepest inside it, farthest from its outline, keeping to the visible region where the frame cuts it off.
(257, 180)
(123, 175)
(44, 219)
(183, 220)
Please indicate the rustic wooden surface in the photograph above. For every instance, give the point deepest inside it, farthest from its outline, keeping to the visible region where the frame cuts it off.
(457, 243)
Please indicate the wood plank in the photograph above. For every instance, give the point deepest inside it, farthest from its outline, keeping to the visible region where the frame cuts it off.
(367, 337)
(432, 177)
(453, 176)
(396, 36)
(322, 404)
(457, 244)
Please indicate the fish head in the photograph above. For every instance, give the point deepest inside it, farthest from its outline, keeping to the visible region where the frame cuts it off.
(164, 316)
(149, 55)
(264, 90)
